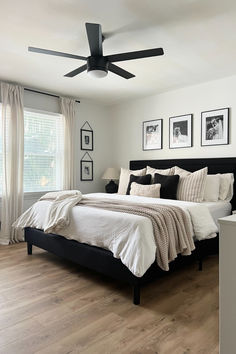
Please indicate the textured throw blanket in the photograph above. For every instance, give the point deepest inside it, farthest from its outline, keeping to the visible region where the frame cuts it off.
(171, 226)
(59, 213)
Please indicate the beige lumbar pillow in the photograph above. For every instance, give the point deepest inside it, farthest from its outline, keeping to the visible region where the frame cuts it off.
(142, 190)
(191, 186)
(125, 176)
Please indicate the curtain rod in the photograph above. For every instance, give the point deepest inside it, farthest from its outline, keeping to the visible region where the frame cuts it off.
(45, 93)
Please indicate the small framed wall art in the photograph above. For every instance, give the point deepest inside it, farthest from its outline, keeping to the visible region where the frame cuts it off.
(86, 168)
(215, 127)
(86, 137)
(180, 131)
(152, 134)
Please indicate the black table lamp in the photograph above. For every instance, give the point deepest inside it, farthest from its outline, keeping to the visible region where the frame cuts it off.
(111, 174)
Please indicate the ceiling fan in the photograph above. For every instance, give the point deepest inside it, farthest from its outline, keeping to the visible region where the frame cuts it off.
(97, 64)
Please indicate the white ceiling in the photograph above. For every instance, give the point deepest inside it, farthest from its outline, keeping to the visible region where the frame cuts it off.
(198, 37)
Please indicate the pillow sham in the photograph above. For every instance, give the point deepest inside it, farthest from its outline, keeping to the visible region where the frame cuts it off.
(150, 190)
(167, 171)
(212, 189)
(138, 179)
(169, 185)
(125, 176)
(191, 186)
(226, 186)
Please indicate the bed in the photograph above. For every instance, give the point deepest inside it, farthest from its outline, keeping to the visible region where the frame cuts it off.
(102, 260)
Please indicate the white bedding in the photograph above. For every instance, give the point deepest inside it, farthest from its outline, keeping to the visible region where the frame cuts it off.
(219, 209)
(129, 237)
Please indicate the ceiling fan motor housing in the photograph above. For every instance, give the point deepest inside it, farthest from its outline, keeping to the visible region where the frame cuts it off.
(97, 63)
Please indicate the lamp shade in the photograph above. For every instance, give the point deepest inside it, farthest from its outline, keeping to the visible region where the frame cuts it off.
(111, 173)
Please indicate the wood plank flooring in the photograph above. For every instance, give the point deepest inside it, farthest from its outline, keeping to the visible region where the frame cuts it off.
(48, 305)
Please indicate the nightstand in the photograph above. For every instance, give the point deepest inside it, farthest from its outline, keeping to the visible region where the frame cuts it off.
(227, 272)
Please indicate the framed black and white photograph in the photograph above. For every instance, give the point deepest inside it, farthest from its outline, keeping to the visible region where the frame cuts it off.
(152, 134)
(86, 137)
(180, 131)
(215, 127)
(86, 168)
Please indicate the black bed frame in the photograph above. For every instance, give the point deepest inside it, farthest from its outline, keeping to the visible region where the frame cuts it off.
(102, 260)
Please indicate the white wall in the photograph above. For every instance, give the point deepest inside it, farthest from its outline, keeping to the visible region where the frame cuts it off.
(97, 116)
(127, 121)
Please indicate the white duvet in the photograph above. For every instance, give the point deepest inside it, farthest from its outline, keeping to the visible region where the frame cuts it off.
(129, 237)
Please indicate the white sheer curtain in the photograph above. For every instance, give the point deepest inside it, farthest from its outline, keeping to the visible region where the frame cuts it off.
(69, 171)
(13, 160)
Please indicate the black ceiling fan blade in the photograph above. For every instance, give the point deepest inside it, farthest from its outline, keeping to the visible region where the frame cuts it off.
(76, 71)
(135, 55)
(94, 34)
(53, 52)
(121, 72)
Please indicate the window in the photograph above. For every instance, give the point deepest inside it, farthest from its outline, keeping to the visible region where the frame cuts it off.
(43, 151)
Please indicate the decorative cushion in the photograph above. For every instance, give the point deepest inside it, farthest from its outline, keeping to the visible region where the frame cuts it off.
(138, 179)
(150, 190)
(212, 189)
(167, 171)
(226, 186)
(191, 186)
(125, 176)
(169, 185)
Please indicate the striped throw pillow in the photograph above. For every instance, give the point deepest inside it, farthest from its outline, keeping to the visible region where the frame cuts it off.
(191, 186)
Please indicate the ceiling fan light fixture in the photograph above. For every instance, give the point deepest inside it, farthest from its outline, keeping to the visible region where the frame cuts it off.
(97, 73)
(97, 67)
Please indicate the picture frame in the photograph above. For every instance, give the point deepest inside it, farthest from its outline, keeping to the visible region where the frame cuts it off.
(152, 134)
(86, 168)
(215, 127)
(86, 137)
(181, 131)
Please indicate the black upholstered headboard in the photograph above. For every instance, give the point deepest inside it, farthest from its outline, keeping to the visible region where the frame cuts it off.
(215, 165)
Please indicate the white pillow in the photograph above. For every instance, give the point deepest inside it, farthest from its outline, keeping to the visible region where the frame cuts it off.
(212, 189)
(226, 186)
(125, 176)
(149, 190)
(191, 186)
(166, 172)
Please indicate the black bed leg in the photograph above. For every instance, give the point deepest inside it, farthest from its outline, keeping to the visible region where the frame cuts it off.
(136, 295)
(29, 248)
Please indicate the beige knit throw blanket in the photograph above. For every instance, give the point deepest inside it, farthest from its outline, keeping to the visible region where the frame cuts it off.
(171, 226)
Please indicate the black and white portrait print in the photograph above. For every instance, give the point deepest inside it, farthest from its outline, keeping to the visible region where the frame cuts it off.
(152, 134)
(86, 139)
(86, 170)
(215, 127)
(180, 131)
